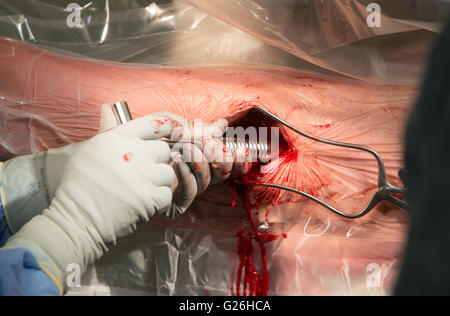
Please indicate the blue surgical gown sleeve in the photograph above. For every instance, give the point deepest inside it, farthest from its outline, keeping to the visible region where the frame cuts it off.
(19, 271)
(5, 232)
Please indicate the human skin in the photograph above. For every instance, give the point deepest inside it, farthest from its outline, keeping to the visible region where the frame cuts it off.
(48, 101)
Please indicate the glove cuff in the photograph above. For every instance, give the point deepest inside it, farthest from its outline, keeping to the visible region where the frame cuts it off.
(24, 191)
(58, 245)
(40, 236)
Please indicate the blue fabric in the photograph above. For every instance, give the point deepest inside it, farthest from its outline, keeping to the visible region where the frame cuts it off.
(5, 232)
(19, 271)
(20, 275)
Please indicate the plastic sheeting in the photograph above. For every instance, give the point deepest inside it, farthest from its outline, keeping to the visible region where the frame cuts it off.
(332, 35)
(48, 101)
(335, 34)
(168, 33)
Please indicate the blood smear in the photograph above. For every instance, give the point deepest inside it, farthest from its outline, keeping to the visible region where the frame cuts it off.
(127, 157)
(160, 122)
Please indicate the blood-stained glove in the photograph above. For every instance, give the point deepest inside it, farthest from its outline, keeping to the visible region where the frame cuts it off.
(200, 158)
(29, 183)
(196, 166)
(110, 184)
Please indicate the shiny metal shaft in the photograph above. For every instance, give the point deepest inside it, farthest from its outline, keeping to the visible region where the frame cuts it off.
(122, 112)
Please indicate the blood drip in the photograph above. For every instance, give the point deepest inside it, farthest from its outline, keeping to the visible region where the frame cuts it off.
(254, 283)
(252, 275)
(233, 202)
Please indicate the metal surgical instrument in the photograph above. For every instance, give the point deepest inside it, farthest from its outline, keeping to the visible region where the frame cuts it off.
(121, 112)
(385, 189)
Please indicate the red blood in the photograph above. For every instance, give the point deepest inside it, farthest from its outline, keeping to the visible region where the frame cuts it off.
(286, 160)
(196, 166)
(157, 132)
(127, 157)
(173, 122)
(226, 172)
(241, 106)
(257, 282)
(233, 202)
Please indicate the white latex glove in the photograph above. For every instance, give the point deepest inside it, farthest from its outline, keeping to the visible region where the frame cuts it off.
(110, 184)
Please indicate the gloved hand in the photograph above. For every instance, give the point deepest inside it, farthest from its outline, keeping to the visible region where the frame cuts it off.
(110, 184)
(29, 182)
(196, 167)
(207, 159)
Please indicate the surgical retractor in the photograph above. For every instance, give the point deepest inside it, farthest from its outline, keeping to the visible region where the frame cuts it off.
(385, 189)
(258, 149)
(261, 149)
